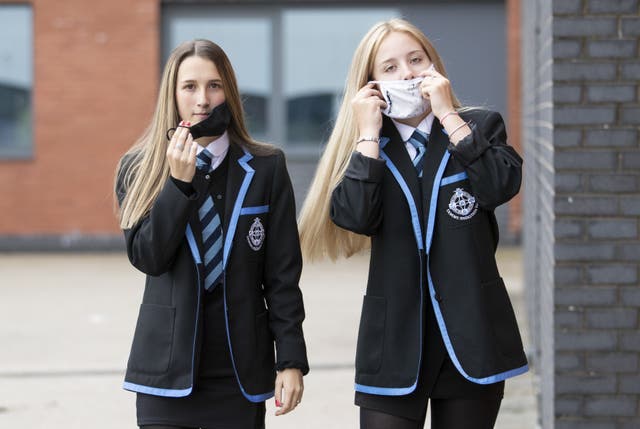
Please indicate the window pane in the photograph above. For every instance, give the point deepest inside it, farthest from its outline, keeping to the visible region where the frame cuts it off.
(16, 80)
(247, 42)
(318, 47)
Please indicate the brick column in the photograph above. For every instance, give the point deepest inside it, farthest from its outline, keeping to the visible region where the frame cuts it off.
(539, 180)
(585, 208)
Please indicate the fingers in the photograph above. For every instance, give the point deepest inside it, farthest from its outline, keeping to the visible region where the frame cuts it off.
(193, 151)
(368, 91)
(186, 148)
(180, 143)
(278, 392)
(181, 135)
(293, 389)
(433, 81)
(369, 95)
(181, 153)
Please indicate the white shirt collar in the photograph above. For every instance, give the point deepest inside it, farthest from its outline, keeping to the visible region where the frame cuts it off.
(405, 131)
(218, 147)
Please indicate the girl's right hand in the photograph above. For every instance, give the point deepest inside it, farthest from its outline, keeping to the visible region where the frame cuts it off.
(367, 110)
(181, 154)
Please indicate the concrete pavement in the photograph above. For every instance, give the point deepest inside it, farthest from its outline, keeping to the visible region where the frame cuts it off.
(66, 323)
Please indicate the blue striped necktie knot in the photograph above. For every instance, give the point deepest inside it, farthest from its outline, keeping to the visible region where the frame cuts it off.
(419, 140)
(203, 160)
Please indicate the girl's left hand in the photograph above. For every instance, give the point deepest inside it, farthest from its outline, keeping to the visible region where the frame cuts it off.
(437, 89)
(290, 381)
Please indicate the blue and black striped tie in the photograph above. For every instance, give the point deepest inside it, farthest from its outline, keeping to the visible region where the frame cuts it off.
(211, 231)
(419, 140)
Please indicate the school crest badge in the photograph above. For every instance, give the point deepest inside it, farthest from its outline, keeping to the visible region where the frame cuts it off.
(462, 205)
(256, 235)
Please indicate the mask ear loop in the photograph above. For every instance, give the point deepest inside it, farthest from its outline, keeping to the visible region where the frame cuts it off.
(173, 130)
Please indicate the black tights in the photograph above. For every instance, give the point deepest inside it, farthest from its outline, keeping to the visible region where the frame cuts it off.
(445, 414)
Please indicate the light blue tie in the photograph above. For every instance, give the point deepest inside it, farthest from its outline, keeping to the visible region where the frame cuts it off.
(419, 140)
(211, 231)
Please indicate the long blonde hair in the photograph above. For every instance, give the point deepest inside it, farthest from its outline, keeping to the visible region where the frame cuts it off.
(146, 166)
(319, 236)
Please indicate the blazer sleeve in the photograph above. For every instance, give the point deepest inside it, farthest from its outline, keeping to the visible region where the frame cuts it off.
(494, 168)
(153, 241)
(356, 203)
(282, 269)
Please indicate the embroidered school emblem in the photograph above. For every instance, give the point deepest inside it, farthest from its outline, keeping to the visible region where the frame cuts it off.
(256, 234)
(462, 205)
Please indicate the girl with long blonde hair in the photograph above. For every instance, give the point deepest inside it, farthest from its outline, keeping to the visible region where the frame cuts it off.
(208, 215)
(411, 173)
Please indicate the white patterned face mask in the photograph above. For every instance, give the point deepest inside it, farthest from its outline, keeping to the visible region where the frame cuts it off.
(403, 97)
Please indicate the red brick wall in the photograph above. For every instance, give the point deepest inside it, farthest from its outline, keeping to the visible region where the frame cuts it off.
(95, 80)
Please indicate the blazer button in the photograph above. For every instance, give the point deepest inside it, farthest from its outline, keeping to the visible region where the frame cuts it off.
(208, 176)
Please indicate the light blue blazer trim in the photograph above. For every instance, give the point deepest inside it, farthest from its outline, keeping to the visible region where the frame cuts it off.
(172, 393)
(452, 354)
(387, 391)
(193, 246)
(436, 306)
(253, 398)
(237, 206)
(233, 223)
(454, 178)
(415, 219)
(196, 258)
(254, 210)
(434, 199)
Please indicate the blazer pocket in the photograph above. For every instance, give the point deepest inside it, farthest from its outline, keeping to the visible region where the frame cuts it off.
(370, 347)
(153, 339)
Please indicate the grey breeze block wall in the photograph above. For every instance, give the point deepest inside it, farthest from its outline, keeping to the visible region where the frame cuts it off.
(582, 180)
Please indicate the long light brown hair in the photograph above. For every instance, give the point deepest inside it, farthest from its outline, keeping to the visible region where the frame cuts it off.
(147, 168)
(319, 236)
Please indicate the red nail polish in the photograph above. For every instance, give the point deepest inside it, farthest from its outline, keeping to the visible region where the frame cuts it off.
(278, 403)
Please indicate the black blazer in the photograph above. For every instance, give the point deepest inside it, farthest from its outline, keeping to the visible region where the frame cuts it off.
(433, 240)
(263, 302)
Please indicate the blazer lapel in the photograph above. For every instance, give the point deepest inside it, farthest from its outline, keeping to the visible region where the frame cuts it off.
(435, 160)
(239, 178)
(393, 150)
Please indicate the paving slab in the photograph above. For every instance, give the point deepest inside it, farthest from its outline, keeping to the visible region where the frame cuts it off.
(66, 323)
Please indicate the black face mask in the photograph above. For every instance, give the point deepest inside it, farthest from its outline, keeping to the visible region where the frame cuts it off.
(213, 125)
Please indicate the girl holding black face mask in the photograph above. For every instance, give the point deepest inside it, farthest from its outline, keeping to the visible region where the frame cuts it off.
(208, 214)
(414, 175)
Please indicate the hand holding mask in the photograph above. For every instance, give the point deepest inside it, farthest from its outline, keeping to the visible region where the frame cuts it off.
(403, 97)
(213, 125)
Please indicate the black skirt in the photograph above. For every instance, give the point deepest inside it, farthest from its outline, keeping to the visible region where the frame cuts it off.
(214, 404)
(438, 379)
(216, 401)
